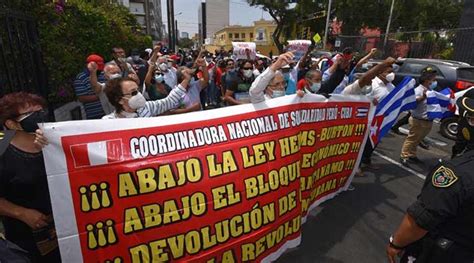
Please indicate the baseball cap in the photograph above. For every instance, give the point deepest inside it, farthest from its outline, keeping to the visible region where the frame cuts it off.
(174, 57)
(428, 70)
(97, 59)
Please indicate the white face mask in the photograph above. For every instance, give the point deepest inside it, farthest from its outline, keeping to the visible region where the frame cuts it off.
(248, 73)
(433, 84)
(390, 77)
(122, 60)
(163, 67)
(136, 102)
(115, 76)
(278, 93)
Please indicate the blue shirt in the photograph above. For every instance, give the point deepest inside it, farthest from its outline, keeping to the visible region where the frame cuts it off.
(83, 87)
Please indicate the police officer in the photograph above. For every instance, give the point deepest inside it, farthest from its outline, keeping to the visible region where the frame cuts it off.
(439, 226)
(465, 136)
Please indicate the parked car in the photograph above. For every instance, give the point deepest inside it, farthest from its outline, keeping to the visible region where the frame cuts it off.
(453, 74)
(449, 126)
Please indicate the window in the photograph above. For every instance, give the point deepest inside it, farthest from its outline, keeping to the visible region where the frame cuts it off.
(243, 35)
(230, 35)
(236, 35)
(251, 35)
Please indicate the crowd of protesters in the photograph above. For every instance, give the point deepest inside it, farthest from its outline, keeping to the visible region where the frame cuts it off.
(155, 82)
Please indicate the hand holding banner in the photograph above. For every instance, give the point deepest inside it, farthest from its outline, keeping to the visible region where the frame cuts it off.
(244, 49)
(298, 47)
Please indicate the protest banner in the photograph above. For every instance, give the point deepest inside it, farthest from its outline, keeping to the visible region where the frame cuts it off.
(240, 50)
(228, 188)
(298, 47)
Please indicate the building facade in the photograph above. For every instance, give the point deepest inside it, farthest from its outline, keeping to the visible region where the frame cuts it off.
(148, 14)
(261, 33)
(212, 16)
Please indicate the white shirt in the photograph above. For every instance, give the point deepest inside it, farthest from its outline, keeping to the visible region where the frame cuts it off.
(352, 89)
(380, 90)
(257, 90)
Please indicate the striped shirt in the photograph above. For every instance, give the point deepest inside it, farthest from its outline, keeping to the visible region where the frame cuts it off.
(154, 108)
(83, 87)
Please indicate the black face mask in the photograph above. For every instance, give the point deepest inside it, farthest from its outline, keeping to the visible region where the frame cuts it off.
(30, 123)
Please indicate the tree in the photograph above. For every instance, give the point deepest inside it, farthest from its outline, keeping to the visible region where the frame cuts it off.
(185, 43)
(283, 17)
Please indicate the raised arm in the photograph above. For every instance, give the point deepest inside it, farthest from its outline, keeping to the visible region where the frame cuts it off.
(366, 78)
(366, 58)
(92, 67)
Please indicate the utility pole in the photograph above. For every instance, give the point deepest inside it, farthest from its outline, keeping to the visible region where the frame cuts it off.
(170, 23)
(147, 17)
(388, 27)
(328, 14)
(204, 22)
(176, 32)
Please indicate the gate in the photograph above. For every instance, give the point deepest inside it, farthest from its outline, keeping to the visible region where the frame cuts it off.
(21, 64)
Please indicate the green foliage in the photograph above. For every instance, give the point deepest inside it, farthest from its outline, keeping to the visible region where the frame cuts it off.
(68, 37)
(185, 43)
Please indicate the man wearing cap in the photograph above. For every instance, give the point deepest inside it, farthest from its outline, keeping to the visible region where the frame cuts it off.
(465, 136)
(120, 59)
(84, 91)
(419, 123)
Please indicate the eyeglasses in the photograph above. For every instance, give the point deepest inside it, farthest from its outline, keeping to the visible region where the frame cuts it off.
(230, 65)
(246, 68)
(133, 93)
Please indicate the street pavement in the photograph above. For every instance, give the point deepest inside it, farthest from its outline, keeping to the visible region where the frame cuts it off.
(355, 225)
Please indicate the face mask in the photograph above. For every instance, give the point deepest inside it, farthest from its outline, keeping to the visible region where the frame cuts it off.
(315, 87)
(30, 123)
(390, 77)
(136, 58)
(208, 60)
(278, 93)
(163, 67)
(433, 84)
(170, 64)
(115, 76)
(366, 90)
(122, 60)
(159, 78)
(136, 102)
(248, 73)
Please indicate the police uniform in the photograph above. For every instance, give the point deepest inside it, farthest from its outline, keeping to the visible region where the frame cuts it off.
(465, 135)
(445, 208)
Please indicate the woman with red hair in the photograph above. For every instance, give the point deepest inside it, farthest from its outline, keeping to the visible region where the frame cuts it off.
(25, 205)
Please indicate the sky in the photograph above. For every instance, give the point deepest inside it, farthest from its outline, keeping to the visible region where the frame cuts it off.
(241, 13)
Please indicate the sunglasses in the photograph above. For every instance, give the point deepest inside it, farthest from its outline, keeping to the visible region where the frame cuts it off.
(246, 68)
(133, 93)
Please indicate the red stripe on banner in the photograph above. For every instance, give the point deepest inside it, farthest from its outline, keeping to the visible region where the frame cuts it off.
(114, 151)
(80, 155)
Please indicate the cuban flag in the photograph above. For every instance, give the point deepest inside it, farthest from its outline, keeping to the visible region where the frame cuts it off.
(401, 98)
(440, 104)
(97, 153)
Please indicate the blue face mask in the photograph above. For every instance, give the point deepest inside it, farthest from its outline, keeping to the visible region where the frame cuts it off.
(159, 78)
(433, 84)
(278, 93)
(315, 87)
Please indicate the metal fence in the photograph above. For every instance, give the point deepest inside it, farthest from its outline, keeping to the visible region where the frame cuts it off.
(454, 44)
(21, 65)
